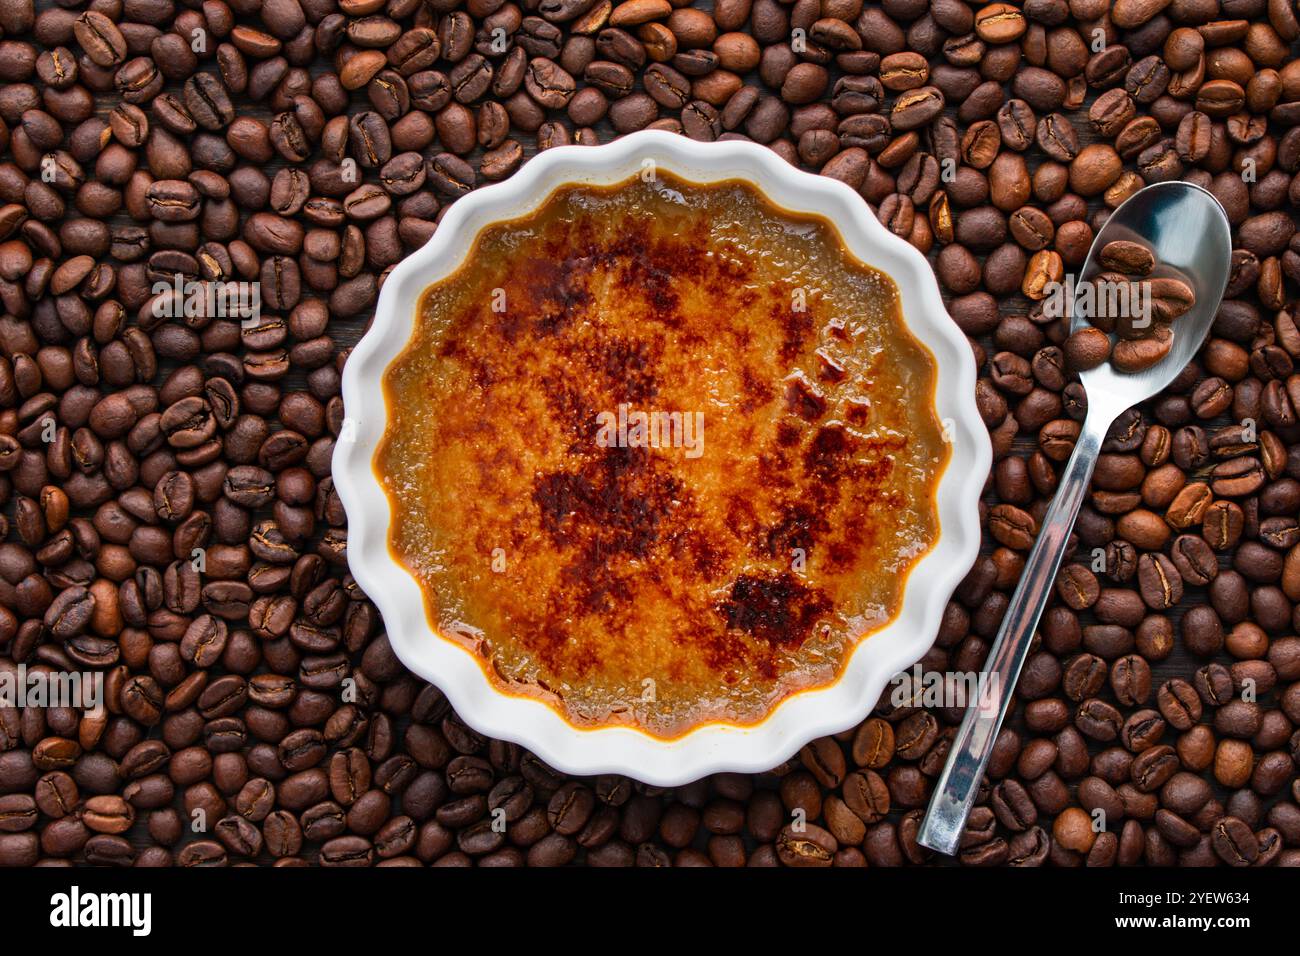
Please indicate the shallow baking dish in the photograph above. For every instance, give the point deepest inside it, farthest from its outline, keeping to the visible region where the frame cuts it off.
(712, 747)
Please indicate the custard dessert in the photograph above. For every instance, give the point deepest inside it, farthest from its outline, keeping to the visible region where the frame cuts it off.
(661, 454)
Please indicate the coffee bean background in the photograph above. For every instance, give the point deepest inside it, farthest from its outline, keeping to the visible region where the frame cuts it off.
(146, 138)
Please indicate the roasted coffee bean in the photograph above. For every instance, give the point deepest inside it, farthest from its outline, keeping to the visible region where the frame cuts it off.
(1130, 258)
(813, 846)
(1160, 581)
(916, 108)
(1086, 348)
(1135, 355)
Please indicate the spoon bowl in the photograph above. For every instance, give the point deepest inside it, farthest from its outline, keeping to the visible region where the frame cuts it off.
(1187, 230)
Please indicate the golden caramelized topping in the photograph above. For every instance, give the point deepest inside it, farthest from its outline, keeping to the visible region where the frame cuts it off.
(661, 454)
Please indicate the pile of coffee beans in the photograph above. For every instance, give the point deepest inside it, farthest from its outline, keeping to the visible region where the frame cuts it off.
(1131, 302)
(169, 520)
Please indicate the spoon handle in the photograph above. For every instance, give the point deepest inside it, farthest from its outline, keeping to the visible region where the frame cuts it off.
(957, 786)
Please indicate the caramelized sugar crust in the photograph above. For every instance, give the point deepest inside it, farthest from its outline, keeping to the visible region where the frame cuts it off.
(653, 586)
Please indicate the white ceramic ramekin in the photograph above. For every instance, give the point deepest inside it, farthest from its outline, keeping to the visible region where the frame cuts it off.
(713, 747)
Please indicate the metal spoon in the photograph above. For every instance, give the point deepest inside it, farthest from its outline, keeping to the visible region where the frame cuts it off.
(1187, 230)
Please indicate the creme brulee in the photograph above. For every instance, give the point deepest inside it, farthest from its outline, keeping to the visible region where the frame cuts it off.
(661, 454)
